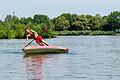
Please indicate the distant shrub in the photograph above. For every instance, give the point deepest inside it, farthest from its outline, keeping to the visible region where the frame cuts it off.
(7, 34)
(86, 32)
(102, 33)
(11, 34)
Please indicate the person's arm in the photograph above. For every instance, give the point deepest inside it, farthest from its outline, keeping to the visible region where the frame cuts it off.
(27, 39)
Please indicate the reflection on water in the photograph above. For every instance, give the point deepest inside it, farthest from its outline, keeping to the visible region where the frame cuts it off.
(45, 66)
(34, 66)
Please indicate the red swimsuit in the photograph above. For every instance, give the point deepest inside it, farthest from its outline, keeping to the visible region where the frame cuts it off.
(39, 40)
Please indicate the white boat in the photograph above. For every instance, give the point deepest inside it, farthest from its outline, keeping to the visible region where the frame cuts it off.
(45, 49)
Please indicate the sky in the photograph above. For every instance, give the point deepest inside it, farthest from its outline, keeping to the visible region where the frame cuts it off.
(54, 8)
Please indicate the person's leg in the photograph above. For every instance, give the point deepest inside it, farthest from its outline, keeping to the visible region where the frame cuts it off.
(45, 42)
(39, 43)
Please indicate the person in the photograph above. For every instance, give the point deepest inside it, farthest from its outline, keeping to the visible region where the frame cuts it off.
(37, 38)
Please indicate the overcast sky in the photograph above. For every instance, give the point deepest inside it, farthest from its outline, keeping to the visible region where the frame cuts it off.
(53, 8)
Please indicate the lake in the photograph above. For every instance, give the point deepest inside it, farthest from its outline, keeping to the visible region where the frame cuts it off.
(89, 58)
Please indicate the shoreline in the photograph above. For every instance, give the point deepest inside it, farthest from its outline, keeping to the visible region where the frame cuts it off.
(80, 33)
(86, 32)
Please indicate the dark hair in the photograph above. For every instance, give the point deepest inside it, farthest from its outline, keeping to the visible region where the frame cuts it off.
(25, 29)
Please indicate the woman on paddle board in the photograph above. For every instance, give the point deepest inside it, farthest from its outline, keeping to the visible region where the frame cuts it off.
(37, 38)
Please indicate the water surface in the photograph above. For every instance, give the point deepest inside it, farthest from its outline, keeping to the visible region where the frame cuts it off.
(89, 58)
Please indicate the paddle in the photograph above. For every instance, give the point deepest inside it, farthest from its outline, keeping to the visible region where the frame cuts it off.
(29, 43)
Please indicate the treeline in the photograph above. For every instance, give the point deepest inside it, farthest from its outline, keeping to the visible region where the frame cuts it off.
(13, 27)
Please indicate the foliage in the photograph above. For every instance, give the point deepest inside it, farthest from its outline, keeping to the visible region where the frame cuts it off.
(40, 19)
(65, 24)
(114, 20)
(86, 32)
(61, 23)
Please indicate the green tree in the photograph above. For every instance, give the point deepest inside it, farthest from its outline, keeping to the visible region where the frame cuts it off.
(3, 34)
(11, 34)
(19, 32)
(16, 19)
(72, 22)
(40, 19)
(104, 24)
(114, 20)
(95, 22)
(38, 28)
(9, 18)
(84, 22)
(26, 21)
(76, 25)
(61, 23)
(68, 16)
(1, 26)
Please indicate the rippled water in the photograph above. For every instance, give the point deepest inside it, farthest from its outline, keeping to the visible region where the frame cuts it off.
(89, 58)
